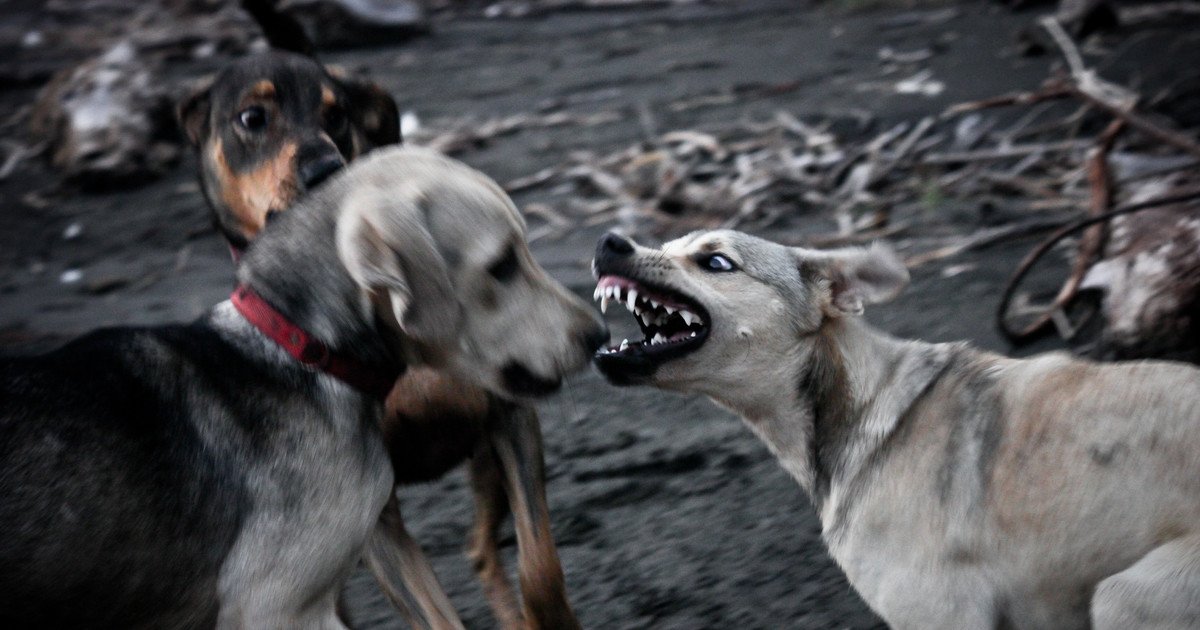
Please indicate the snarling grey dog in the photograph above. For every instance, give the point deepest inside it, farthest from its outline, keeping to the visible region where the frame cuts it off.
(957, 488)
(230, 471)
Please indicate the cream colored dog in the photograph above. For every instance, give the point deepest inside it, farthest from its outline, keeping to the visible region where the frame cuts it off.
(957, 488)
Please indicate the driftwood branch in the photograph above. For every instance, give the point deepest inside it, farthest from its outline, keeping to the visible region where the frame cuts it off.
(1090, 245)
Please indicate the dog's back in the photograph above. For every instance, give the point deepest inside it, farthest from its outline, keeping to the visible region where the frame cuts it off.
(140, 505)
(1125, 434)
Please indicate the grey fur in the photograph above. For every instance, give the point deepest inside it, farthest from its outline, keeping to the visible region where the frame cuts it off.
(956, 488)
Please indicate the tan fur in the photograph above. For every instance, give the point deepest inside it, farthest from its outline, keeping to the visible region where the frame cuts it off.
(264, 90)
(423, 395)
(252, 195)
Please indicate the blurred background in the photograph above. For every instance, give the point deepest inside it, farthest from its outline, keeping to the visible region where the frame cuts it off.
(965, 133)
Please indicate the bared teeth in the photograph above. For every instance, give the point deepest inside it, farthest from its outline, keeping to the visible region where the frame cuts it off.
(654, 316)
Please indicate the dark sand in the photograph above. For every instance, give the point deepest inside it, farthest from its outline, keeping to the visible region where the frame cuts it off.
(668, 513)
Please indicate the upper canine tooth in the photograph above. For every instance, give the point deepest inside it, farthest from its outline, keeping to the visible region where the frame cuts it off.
(632, 297)
(604, 303)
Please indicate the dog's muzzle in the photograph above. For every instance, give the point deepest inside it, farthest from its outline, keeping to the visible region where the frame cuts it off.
(521, 382)
(672, 324)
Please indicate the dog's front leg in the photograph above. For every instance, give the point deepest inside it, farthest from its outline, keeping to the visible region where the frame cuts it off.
(394, 557)
(491, 507)
(517, 440)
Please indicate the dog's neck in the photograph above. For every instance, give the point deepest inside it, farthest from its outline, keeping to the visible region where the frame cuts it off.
(294, 267)
(848, 392)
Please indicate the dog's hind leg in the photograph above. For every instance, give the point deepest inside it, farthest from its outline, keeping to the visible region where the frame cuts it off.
(517, 439)
(395, 558)
(1161, 591)
(491, 508)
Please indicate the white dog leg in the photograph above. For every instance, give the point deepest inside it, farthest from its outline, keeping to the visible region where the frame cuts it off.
(1162, 590)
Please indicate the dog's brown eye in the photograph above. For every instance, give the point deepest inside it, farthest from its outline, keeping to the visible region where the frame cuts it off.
(506, 267)
(253, 118)
(716, 262)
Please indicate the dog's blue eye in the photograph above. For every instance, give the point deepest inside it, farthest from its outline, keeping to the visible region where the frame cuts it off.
(253, 118)
(717, 262)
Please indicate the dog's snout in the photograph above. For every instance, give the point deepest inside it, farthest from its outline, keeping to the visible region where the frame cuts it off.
(613, 243)
(316, 163)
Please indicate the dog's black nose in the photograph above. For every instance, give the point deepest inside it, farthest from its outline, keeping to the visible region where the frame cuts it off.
(315, 165)
(613, 243)
(596, 338)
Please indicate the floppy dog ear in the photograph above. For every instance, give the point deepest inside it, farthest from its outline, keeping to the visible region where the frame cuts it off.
(192, 113)
(281, 30)
(392, 255)
(858, 276)
(373, 111)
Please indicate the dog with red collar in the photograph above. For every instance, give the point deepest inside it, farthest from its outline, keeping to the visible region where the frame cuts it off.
(267, 130)
(231, 471)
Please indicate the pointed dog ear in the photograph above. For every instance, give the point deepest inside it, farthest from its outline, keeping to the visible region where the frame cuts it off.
(191, 113)
(390, 253)
(373, 111)
(857, 276)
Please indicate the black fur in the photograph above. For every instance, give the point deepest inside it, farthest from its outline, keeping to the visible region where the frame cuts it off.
(117, 511)
(281, 31)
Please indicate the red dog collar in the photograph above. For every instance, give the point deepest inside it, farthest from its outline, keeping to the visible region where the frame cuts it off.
(307, 350)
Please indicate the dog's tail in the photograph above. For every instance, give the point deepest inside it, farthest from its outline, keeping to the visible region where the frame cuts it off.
(282, 31)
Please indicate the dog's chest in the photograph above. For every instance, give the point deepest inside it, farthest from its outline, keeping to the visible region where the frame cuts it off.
(315, 498)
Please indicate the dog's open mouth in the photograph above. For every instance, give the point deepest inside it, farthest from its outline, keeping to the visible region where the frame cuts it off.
(672, 324)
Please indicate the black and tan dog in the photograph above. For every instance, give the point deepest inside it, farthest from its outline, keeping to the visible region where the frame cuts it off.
(229, 472)
(267, 130)
(269, 127)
